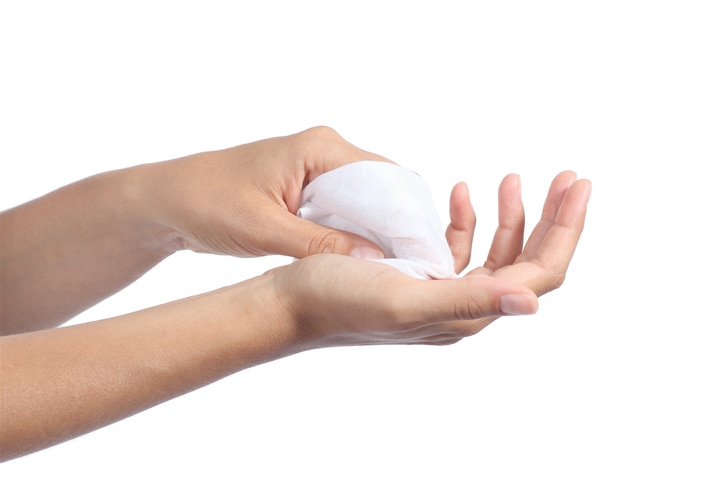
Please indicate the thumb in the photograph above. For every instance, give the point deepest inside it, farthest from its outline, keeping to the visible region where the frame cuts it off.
(473, 297)
(299, 238)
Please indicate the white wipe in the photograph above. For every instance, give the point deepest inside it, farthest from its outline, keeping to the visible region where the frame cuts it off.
(390, 206)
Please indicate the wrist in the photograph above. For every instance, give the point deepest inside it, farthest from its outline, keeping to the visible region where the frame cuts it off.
(143, 194)
(264, 324)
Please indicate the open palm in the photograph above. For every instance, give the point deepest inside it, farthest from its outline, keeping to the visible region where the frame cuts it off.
(339, 300)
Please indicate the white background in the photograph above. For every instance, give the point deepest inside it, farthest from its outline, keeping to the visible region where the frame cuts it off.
(618, 377)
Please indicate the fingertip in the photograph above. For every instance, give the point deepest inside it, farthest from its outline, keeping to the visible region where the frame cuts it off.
(566, 178)
(461, 187)
(459, 233)
(588, 184)
(460, 196)
(518, 304)
(511, 177)
(575, 203)
(587, 188)
(581, 189)
(462, 213)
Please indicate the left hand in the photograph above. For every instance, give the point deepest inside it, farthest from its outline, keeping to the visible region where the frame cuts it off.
(341, 301)
(541, 264)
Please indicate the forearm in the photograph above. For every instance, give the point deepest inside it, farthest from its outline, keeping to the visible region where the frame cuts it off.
(60, 383)
(66, 251)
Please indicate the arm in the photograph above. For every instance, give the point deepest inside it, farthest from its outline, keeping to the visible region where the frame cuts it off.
(59, 383)
(87, 376)
(66, 251)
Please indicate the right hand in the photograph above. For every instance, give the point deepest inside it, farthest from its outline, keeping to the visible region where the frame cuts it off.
(242, 201)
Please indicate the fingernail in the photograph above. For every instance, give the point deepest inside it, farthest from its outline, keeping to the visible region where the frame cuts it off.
(518, 304)
(368, 253)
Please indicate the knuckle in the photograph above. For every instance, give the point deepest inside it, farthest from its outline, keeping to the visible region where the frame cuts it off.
(470, 308)
(317, 143)
(553, 282)
(557, 280)
(317, 133)
(325, 241)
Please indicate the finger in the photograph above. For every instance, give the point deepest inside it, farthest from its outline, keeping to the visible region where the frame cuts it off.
(546, 269)
(508, 239)
(459, 233)
(300, 238)
(557, 191)
(469, 298)
(556, 249)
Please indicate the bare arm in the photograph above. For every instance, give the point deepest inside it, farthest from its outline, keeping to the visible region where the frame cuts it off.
(66, 251)
(59, 383)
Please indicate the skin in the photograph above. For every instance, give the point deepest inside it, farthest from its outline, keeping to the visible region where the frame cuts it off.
(70, 249)
(61, 254)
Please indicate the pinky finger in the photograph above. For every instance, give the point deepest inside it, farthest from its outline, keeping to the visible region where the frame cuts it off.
(556, 249)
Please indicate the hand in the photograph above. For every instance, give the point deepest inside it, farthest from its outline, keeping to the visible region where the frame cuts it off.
(71, 248)
(343, 301)
(243, 201)
(542, 264)
(319, 301)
